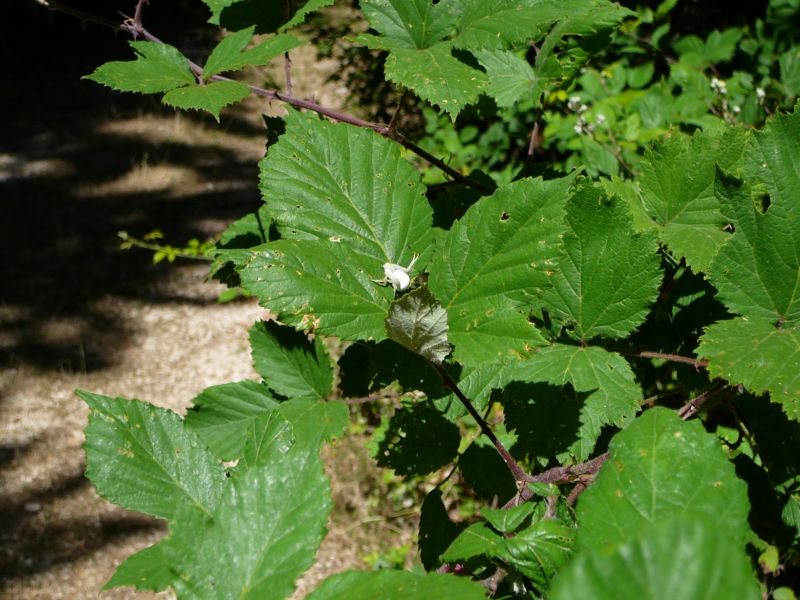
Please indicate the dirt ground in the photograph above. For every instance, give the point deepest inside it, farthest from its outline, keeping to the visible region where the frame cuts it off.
(77, 164)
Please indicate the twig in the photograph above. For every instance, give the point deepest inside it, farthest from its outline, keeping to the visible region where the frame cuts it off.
(519, 474)
(379, 395)
(695, 362)
(533, 143)
(130, 26)
(393, 120)
(137, 15)
(56, 6)
(693, 406)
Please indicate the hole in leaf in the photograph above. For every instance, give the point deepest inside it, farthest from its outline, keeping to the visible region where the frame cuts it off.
(762, 203)
(505, 216)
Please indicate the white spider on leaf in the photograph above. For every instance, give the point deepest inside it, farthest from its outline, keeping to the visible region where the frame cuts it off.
(397, 275)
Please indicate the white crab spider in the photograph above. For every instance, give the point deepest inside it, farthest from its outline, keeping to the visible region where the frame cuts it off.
(397, 275)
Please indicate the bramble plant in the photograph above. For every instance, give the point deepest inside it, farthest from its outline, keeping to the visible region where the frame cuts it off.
(623, 294)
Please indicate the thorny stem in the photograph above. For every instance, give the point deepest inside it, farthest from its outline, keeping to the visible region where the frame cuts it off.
(519, 474)
(693, 406)
(583, 473)
(135, 28)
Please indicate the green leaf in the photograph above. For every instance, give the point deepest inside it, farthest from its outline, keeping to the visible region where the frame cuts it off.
(613, 397)
(507, 520)
(268, 435)
(412, 23)
(396, 585)
(497, 24)
(158, 68)
(314, 422)
(340, 183)
(610, 275)
(223, 414)
(319, 286)
(230, 54)
(678, 558)
(496, 260)
(416, 440)
(418, 322)
(789, 63)
(639, 484)
(211, 97)
(677, 186)
(146, 570)
(435, 75)
(301, 14)
(291, 364)
(264, 534)
(510, 77)
(436, 530)
(475, 540)
(758, 356)
(540, 551)
(142, 457)
(486, 473)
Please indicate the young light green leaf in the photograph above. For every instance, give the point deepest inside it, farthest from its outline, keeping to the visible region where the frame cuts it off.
(510, 76)
(319, 286)
(388, 584)
(677, 186)
(147, 570)
(223, 414)
(638, 485)
(344, 184)
(157, 68)
(230, 54)
(609, 276)
(757, 355)
(271, 518)
(418, 322)
(678, 558)
(496, 260)
(539, 551)
(143, 458)
(614, 395)
(211, 97)
(291, 364)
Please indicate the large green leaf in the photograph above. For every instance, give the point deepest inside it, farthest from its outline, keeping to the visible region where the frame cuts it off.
(758, 356)
(613, 397)
(301, 14)
(268, 17)
(496, 260)
(211, 97)
(475, 540)
(413, 32)
(396, 585)
(230, 53)
(264, 534)
(157, 68)
(268, 435)
(677, 186)
(436, 530)
(609, 276)
(679, 558)
(314, 422)
(418, 322)
(320, 286)
(142, 457)
(223, 414)
(344, 184)
(291, 364)
(661, 469)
